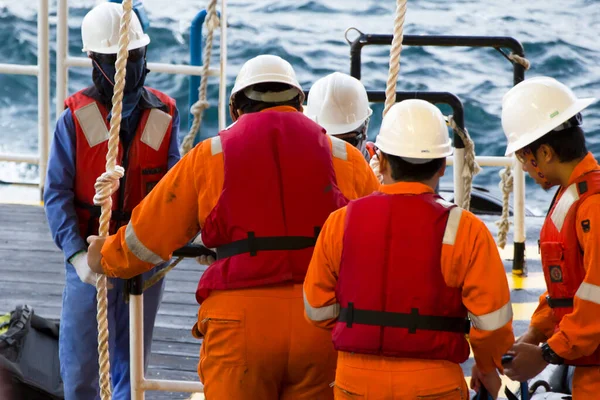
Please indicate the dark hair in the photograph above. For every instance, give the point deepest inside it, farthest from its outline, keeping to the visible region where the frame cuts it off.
(403, 171)
(568, 144)
(242, 102)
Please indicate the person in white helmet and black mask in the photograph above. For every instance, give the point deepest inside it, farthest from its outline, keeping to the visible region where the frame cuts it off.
(148, 149)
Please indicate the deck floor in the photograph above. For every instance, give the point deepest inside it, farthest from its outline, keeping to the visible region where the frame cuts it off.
(32, 272)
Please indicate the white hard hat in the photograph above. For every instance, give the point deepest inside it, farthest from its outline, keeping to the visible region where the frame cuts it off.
(267, 68)
(100, 30)
(536, 106)
(339, 103)
(414, 130)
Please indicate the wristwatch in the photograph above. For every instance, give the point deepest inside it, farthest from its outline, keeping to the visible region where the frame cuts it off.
(550, 356)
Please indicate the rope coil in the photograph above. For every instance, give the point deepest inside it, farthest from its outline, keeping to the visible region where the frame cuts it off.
(470, 167)
(105, 186)
(394, 71)
(198, 108)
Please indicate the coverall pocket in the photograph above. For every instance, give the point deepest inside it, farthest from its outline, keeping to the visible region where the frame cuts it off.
(553, 260)
(447, 394)
(224, 339)
(344, 392)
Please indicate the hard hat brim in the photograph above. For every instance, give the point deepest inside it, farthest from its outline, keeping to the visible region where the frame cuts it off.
(134, 44)
(339, 129)
(389, 147)
(544, 129)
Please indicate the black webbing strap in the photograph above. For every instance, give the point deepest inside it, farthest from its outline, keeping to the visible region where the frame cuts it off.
(255, 244)
(412, 321)
(96, 211)
(559, 303)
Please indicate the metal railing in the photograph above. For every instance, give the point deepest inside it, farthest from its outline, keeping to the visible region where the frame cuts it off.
(42, 71)
(495, 42)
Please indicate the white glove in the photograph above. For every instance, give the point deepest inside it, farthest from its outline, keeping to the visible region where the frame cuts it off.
(79, 262)
(374, 163)
(203, 260)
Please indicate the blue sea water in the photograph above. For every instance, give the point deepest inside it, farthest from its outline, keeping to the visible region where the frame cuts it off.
(560, 39)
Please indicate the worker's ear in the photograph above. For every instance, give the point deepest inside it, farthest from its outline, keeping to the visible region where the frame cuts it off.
(442, 169)
(383, 163)
(235, 114)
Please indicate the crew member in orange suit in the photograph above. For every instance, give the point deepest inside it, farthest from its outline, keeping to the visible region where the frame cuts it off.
(260, 192)
(542, 121)
(395, 275)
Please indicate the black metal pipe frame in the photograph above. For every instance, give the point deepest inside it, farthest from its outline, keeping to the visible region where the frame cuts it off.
(495, 42)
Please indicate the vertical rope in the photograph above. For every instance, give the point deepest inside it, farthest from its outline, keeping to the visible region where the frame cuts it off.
(470, 168)
(506, 185)
(105, 186)
(197, 109)
(394, 71)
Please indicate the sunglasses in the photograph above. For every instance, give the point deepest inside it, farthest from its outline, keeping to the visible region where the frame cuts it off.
(134, 56)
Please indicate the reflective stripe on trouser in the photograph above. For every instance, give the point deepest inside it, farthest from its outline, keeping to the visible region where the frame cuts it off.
(586, 383)
(363, 376)
(78, 337)
(258, 345)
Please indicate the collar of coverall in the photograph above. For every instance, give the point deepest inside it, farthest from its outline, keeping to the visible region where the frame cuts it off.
(280, 109)
(406, 188)
(586, 165)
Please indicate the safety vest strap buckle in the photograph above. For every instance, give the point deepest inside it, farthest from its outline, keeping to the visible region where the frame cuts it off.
(412, 321)
(559, 303)
(255, 244)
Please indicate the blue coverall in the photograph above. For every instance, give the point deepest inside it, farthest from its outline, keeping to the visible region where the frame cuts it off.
(78, 330)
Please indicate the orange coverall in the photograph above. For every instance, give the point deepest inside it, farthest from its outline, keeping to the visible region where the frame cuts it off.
(257, 344)
(579, 332)
(472, 263)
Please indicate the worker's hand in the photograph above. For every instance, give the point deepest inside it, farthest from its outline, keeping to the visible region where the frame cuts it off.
(94, 257)
(491, 381)
(527, 362)
(205, 260)
(80, 263)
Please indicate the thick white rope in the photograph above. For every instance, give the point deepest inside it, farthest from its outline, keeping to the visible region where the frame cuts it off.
(470, 167)
(105, 186)
(506, 185)
(390, 91)
(197, 109)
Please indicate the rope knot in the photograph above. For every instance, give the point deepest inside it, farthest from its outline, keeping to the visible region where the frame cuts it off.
(199, 106)
(107, 184)
(470, 168)
(212, 21)
(520, 60)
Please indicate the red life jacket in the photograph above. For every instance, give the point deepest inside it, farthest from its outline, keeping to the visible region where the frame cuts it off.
(562, 256)
(279, 188)
(393, 297)
(146, 162)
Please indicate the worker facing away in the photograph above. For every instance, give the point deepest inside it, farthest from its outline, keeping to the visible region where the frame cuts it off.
(148, 148)
(339, 103)
(542, 120)
(259, 192)
(400, 324)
